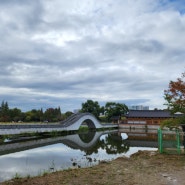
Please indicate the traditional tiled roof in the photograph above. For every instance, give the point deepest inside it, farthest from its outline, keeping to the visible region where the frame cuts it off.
(150, 114)
(115, 118)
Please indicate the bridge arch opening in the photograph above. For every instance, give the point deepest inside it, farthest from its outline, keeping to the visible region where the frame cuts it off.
(89, 123)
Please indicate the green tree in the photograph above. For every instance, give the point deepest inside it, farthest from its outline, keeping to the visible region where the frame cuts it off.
(53, 114)
(32, 115)
(92, 107)
(4, 112)
(58, 114)
(115, 109)
(68, 114)
(15, 114)
(41, 115)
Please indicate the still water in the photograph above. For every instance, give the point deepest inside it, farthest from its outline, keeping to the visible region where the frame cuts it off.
(38, 156)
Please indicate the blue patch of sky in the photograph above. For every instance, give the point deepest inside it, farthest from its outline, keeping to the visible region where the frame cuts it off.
(177, 5)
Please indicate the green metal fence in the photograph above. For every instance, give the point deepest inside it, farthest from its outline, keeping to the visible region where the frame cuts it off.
(170, 141)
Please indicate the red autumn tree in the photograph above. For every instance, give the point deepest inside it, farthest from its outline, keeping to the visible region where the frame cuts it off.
(175, 100)
(175, 95)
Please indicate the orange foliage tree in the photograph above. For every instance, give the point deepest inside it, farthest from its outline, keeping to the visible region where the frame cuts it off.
(175, 100)
(175, 95)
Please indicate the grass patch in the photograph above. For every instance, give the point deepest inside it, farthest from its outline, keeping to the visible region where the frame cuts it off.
(17, 176)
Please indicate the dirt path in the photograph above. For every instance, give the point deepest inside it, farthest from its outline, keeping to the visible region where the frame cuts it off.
(142, 168)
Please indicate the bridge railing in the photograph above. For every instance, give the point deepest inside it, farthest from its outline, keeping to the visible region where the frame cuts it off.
(70, 120)
(73, 118)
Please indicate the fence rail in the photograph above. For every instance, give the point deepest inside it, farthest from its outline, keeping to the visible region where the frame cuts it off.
(171, 141)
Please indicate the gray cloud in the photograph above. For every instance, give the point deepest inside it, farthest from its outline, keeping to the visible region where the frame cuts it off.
(60, 53)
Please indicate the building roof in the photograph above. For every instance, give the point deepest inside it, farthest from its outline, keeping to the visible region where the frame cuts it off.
(150, 114)
(113, 118)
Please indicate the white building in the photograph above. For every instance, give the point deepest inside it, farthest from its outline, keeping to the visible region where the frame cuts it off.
(138, 107)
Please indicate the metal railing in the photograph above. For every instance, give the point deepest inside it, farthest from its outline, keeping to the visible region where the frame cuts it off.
(171, 141)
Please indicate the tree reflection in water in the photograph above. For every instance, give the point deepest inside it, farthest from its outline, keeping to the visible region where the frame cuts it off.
(112, 143)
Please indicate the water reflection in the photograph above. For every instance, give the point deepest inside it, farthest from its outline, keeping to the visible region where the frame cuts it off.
(87, 137)
(114, 144)
(49, 154)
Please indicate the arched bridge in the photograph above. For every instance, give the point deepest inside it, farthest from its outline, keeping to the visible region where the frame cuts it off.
(71, 123)
(76, 120)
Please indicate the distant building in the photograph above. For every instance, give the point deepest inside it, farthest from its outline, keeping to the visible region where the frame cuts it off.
(138, 107)
(148, 117)
(76, 111)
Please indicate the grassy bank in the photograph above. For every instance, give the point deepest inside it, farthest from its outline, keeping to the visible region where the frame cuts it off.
(142, 168)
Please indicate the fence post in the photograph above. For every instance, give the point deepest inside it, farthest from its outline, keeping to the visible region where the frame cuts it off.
(160, 141)
(178, 141)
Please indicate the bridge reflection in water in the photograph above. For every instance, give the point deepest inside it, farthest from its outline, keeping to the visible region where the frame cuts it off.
(56, 153)
(83, 142)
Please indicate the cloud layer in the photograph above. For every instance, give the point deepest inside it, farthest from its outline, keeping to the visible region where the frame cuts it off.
(61, 53)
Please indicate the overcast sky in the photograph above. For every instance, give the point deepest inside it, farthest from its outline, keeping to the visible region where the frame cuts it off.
(64, 52)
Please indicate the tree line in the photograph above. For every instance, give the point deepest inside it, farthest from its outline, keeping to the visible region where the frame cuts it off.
(108, 111)
(16, 115)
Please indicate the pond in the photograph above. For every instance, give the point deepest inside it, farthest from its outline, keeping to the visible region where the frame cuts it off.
(36, 156)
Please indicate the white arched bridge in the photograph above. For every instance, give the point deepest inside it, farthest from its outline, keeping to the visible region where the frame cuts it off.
(72, 123)
(76, 120)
